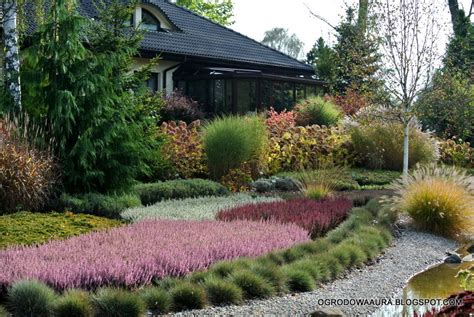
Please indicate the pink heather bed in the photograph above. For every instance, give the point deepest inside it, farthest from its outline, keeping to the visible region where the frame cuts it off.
(135, 255)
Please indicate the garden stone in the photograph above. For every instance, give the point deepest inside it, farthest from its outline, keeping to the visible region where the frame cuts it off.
(263, 185)
(328, 312)
(468, 258)
(471, 249)
(286, 184)
(453, 258)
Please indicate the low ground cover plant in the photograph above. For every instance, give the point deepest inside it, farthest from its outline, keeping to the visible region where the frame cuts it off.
(108, 206)
(300, 268)
(317, 217)
(178, 189)
(137, 254)
(193, 208)
(26, 228)
(439, 199)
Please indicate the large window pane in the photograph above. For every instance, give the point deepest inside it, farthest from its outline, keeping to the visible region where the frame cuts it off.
(219, 96)
(198, 90)
(283, 94)
(246, 96)
(300, 92)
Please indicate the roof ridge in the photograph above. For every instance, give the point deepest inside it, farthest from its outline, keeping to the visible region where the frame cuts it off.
(229, 29)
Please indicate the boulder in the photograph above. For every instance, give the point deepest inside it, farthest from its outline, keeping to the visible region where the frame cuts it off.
(286, 184)
(453, 258)
(263, 185)
(328, 312)
(468, 258)
(471, 249)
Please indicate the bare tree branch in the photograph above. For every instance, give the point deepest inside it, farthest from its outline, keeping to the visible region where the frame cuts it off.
(319, 17)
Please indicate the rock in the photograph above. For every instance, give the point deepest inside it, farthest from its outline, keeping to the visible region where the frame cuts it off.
(286, 184)
(263, 185)
(328, 312)
(453, 259)
(468, 258)
(471, 249)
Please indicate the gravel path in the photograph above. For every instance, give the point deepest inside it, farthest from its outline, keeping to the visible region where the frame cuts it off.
(411, 253)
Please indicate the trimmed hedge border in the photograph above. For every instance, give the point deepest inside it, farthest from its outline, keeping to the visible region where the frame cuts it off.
(301, 268)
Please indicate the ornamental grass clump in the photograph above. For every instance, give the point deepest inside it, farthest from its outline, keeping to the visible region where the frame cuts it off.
(316, 110)
(252, 285)
(154, 250)
(111, 302)
(439, 199)
(231, 141)
(31, 298)
(299, 280)
(222, 292)
(157, 300)
(318, 217)
(187, 296)
(73, 303)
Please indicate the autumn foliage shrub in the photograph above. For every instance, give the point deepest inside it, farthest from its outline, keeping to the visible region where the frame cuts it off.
(456, 152)
(178, 107)
(293, 148)
(318, 217)
(27, 174)
(350, 102)
(184, 149)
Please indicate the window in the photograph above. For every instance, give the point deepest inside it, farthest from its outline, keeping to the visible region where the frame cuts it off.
(149, 21)
(153, 82)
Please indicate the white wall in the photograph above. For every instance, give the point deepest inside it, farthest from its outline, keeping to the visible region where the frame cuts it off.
(160, 69)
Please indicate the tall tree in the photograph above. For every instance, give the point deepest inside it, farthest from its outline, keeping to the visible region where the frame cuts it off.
(363, 17)
(322, 57)
(281, 40)
(219, 11)
(410, 30)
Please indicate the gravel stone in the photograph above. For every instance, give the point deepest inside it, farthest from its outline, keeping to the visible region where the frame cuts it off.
(410, 253)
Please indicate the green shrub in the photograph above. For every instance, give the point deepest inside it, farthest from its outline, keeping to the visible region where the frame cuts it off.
(73, 303)
(366, 177)
(221, 292)
(439, 199)
(110, 302)
(332, 263)
(380, 146)
(252, 285)
(26, 228)
(109, 206)
(31, 298)
(309, 266)
(157, 301)
(186, 296)
(226, 268)
(178, 189)
(456, 152)
(298, 280)
(168, 283)
(316, 110)
(233, 140)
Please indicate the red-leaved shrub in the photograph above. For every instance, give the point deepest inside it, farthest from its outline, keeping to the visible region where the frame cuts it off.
(184, 149)
(318, 217)
(180, 108)
(349, 103)
(277, 121)
(463, 305)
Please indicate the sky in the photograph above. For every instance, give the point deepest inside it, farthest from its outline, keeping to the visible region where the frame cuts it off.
(254, 17)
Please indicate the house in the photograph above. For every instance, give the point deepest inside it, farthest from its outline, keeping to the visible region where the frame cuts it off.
(221, 69)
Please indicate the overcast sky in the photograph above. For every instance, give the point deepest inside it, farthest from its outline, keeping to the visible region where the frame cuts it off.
(254, 17)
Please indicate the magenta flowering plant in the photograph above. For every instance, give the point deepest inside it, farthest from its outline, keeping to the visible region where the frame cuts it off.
(136, 255)
(318, 217)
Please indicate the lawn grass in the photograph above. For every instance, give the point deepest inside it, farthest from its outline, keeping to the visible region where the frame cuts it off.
(25, 228)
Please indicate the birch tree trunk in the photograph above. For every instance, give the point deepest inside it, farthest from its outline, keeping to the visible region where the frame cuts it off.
(12, 57)
(406, 147)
